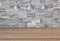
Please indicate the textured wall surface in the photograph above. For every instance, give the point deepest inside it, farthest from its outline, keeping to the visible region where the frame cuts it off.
(29, 13)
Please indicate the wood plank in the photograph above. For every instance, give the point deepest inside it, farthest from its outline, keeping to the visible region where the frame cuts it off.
(33, 39)
(29, 40)
(28, 34)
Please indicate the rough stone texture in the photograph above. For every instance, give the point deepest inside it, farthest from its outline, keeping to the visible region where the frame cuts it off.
(29, 13)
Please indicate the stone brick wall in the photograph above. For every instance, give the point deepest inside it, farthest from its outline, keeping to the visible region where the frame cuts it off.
(29, 13)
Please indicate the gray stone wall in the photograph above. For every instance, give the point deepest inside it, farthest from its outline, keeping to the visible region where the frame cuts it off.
(29, 13)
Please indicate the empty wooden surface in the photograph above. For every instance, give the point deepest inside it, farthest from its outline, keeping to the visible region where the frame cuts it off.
(31, 34)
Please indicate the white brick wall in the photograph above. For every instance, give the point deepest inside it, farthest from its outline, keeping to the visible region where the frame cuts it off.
(29, 13)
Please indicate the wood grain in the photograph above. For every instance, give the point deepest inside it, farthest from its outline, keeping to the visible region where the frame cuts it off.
(30, 34)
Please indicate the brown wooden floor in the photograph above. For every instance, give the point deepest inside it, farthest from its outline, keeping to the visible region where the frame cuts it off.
(48, 34)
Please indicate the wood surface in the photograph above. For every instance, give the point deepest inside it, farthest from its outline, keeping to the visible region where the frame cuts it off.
(30, 34)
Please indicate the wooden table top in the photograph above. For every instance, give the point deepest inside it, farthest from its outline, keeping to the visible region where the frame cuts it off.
(30, 34)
